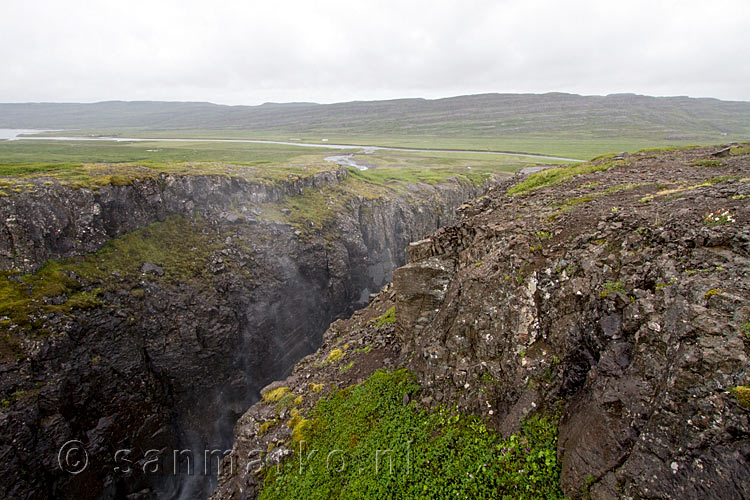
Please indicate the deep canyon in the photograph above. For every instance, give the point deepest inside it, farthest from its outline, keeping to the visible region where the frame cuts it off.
(169, 302)
(587, 325)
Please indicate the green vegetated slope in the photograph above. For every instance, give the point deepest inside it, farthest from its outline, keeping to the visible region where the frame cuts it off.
(371, 445)
(555, 123)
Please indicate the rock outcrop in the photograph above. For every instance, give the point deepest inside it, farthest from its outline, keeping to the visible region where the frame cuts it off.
(618, 298)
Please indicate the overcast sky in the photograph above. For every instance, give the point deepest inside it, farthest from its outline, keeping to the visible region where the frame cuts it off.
(250, 52)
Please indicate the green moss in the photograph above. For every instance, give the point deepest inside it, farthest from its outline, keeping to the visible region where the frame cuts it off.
(661, 286)
(741, 149)
(316, 387)
(265, 426)
(745, 329)
(388, 318)
(742, 393)
(712, 292)
(275, 395)
(543, 235)
(301, 430)
(371, 445)
(334, 355)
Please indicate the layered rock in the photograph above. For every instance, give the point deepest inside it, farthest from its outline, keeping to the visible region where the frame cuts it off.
(53, 220)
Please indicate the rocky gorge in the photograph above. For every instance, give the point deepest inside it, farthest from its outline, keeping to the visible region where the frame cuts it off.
(608, 302)
(142, 316)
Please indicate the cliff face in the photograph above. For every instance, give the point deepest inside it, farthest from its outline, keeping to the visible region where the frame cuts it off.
(53, 221)
(616, 298)
(162, 337)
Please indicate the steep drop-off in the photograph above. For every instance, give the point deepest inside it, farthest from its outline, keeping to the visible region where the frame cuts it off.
(167, 303)
(609, 298)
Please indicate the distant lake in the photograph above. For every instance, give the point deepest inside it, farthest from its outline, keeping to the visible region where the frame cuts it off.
(12, 133)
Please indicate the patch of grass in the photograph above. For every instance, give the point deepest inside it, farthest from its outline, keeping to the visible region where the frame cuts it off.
(611, 287)
(666, 149)
(706, 163)
(745, 329)
(605, 156)
(673, 192)
(388, 318)
(741, 149)
(346, 367)
(543, 235)
(588, 198)
(554, 176)
(371, 445)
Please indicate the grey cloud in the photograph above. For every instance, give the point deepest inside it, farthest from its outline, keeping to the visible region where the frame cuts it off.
(239, 52)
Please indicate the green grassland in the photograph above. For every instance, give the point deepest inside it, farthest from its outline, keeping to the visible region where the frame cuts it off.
(581, 146)
(156, 152)
(386, 449)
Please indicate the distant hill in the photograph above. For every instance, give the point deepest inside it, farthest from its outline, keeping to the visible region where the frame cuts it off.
(481, 116)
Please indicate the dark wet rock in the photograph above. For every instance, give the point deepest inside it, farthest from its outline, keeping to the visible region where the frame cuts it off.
(150, 268)
(722, 152)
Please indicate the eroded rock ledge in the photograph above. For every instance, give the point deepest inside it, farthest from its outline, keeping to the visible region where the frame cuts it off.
(618, 297)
